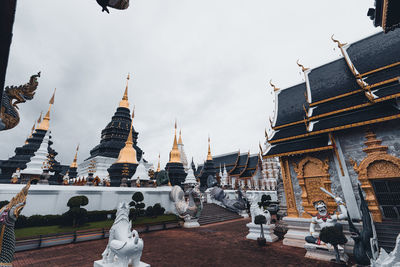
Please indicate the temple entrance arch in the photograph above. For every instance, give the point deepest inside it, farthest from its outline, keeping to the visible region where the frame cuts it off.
(379, 174)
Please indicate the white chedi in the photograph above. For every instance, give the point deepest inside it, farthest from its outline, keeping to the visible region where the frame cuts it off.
(190, 179)
(224, 177)
(141, 172)
(35, 165)
(124, 246)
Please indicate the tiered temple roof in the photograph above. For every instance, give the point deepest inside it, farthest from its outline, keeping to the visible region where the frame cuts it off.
(346, 93)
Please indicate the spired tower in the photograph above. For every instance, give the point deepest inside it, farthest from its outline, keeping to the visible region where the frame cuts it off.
(113, 138)
(174, 167)
(182, 151)
(72, 171)
(24, 153)
(125, 166)
(208, 169)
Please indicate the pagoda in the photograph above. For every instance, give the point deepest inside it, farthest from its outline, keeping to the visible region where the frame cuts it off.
(141, 176)
(24, 153)
(72, 171)
(125, 166)
(208, 169)
(174, 167)
(182, 151)
(113, 138)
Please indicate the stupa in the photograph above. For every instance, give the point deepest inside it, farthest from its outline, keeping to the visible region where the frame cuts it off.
(174, 167)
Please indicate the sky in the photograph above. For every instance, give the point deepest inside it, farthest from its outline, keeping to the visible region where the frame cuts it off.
(206, 64)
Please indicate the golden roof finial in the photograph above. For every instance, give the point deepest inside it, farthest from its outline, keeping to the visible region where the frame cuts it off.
(209, 156)
(44, 125)
(128, 153)
(303, 69)
(175, 155)
(180, 138)
(273, 86)
(159, 163)
(340, 45)
(40, 118)
(124, 102)
(74, 164)
(266, 134)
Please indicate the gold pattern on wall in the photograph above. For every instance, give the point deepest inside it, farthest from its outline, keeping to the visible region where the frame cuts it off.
(377, 165)
(287, 185)
(312, 173)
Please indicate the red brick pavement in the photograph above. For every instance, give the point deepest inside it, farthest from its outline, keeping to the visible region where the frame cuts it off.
(213, 245)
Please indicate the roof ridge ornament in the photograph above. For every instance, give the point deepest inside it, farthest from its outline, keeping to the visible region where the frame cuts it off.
(273, 86)
(303, 69)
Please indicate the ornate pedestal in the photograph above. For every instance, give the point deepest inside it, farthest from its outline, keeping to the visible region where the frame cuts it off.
(100, 263)
(255, 232)
(324, 252)
(192, 223)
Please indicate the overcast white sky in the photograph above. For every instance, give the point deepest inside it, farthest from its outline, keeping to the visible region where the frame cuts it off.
(206, 63)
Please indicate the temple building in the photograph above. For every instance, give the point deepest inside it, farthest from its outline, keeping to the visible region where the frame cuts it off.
(113, 138)
(385, 14)
(174, 167)
(208, 169)
(125, 166)
(24, 153)
(340, 128)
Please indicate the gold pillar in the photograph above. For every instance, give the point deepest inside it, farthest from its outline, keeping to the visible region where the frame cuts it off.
(288, 187)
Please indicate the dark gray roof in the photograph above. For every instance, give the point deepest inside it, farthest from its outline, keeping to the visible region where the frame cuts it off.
(290, 104)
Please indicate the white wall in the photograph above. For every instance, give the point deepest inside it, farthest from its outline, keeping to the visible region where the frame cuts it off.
(52, 199)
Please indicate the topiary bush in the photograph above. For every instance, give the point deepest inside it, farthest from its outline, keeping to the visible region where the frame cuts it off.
(138, 206)
(76, 215)
(265, 201)
(158, 210)
(3, 203)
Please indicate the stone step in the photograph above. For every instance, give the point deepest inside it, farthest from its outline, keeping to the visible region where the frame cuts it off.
(387, 232)
(213, 213)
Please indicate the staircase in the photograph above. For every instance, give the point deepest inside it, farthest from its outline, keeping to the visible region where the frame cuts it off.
(213, 213)
(387, 232)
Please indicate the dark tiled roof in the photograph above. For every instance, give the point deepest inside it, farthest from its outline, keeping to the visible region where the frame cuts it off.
(241, 165)
(290, 104)
(290, 131)
(251, 167)
(342, 103)
(330, 80)
(228, 159)
(384, 49)
(299, 144)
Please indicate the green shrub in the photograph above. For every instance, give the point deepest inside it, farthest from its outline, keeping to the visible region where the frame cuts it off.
(150, 212)
(76, 215)
(158, 210)
(138, 205)
(3, 203)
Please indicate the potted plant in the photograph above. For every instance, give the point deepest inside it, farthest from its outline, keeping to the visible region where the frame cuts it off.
(260, 219)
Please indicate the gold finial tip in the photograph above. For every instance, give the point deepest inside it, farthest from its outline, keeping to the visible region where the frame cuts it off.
(338, 42)
(273, 86)
(303, 69)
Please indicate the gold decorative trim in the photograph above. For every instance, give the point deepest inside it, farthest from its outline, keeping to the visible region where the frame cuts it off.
(384, 14)
(379, 69)
(299, 152)
(287, 185)
(377, 165)
(348, 126)
(312, 173)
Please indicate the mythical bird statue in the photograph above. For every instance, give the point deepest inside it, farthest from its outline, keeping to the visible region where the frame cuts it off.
(124, 246)
(9, 116)
(235, 205)
(187, 209)
(8, 217)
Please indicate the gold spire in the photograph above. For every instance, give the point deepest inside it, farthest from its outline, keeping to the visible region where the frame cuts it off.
(128, 153)
(180, 138)
(175, 155)
(209, 157)
(158, 167)
(124, 102)
(74, 164)
(40, 118)
(44, 125)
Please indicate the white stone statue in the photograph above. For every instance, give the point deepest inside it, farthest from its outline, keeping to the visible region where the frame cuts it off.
(124, 245)
(254, 229)
(188, 210)
(388, 260)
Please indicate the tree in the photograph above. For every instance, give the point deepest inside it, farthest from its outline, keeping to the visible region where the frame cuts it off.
(138, 205)
(76, 215)
(260, 219)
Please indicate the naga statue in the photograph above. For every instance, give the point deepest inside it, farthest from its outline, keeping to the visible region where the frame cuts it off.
(9, 116)
(188, 210)
(236, 205)
(124, 246)
(8, 217)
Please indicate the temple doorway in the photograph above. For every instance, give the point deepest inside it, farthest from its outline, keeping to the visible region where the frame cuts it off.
(387, 193)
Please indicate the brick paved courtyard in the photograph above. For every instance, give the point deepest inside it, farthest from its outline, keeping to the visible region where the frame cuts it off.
(221, 244)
